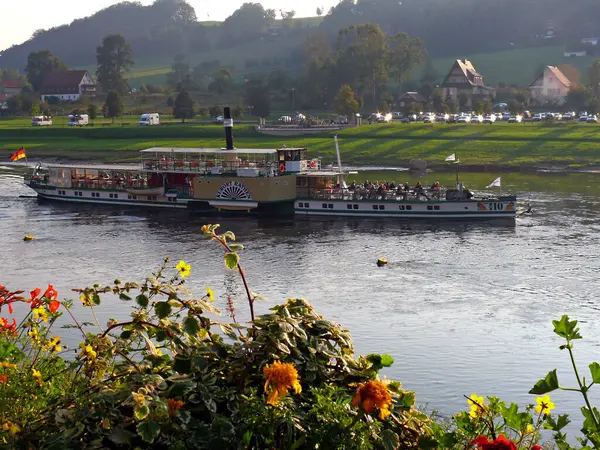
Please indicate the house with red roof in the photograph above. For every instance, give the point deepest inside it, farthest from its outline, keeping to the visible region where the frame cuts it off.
(463, 79)
(550, 86)
(67, 85)
(11, 88)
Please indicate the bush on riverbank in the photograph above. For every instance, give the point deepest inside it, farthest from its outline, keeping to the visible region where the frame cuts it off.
(174, 376)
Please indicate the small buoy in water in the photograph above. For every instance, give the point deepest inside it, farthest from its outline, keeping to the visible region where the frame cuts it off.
(28, 237)
(382, 262)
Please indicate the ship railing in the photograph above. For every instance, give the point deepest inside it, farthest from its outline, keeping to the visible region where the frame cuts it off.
(209, 167)
(377, 194)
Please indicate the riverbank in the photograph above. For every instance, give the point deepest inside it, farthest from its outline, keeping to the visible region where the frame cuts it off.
(497, 147)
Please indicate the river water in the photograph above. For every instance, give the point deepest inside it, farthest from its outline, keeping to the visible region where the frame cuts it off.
(463, 308)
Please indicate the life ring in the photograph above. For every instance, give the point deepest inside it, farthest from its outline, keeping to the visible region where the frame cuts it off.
(281, 168)
(313, 164)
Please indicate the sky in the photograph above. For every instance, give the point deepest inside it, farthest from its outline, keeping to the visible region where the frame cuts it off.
(20, 20)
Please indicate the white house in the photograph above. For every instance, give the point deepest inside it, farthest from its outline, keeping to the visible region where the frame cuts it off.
(590, 41)
(551, 85)
(68, 85)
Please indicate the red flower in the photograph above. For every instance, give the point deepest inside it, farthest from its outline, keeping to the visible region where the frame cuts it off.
(10, 328)
(53, 306)
(51, 293)
(35, 301)
(3, 378)
(501, 443)
(536, 447)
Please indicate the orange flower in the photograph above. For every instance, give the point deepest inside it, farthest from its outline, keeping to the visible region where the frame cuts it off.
(374, 393)
(53, 306)
(4, 326)
(3, 378)
(51, 293)
(174, 406)
(281, 377)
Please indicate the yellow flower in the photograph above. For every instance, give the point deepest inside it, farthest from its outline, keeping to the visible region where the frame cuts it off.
(280, 378)
(87, 351)
(184, 268)
(38, 376)
(34, 335)
(54, 344)
(374, 393)
(40, 313)
(10, 427)
(6, 365)
(210, 294)
(86, 299)
(139, 399)
(477, 406)
(529, 428)
(544, 405)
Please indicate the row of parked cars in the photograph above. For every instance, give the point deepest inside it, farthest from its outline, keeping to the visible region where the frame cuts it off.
(568, 116)
(472, 117)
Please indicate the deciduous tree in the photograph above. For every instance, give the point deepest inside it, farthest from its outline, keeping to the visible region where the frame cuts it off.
(39, 65)
(345, 102)
(256, 95)
(405, 53)
(113, 58)
(114, 106)
(594, 77)
(92, 111)
(180, 69)
(222, 81)
(183, 107)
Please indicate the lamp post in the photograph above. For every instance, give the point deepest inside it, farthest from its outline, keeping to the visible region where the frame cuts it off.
(293, 100)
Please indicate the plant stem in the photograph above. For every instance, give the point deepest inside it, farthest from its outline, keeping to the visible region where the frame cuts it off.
(582, 388)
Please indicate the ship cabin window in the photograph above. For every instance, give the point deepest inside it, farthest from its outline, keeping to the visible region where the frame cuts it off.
(408, 207)
(132, 197)
(374, 206)
(349, 206)
(436, 207)
(324, 205)
(381, 206)
(331, 206)
(429, 208)
(355, 206)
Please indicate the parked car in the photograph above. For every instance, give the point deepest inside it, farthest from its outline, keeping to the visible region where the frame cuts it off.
(219, 119)
(77, 120)
(41, 121)
(506, 116)
(538, 117)
(592, 119)
(583, 118)
(429, 118)
(489, 119)
(569, 116)
(515, 119)
(477, 119)
(464, 118)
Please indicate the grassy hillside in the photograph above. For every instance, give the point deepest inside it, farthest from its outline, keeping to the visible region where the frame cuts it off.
(506, 144)
(517, 66)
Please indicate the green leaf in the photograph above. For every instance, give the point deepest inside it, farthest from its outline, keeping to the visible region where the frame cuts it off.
(548, 384)
(124, 296)
(386, 360)
(182, 365)
(162, 309)
(426, 443)
(126, 334)
(566, 328)
(148, 430)
(236, 247)
(231, 260)
(191, 325)
(229, 235)
(595, 371)
(141, 411)
(390, 440)
(142, 300)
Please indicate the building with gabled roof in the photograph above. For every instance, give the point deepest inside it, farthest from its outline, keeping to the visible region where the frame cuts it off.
(411, 98)
(463, 79)
(67, 85)
(550, 86)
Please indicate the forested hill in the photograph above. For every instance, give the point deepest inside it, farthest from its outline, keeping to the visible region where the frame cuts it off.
(448, 27)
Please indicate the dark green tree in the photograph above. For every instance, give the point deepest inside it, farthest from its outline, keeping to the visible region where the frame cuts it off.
(92, 111)
(222, 81)
(114, 106)
(256, 96)
(594, 77)
(405, 53)
(40, 64)
(345, 102)
(578, 98)
(180, 69)
(183, 108)
(113, 58)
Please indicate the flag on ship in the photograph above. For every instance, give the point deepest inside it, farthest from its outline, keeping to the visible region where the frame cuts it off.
(452, 157)
(19, 154)
(496, 182)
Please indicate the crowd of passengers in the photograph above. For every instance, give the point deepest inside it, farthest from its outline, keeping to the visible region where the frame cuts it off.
(389, 190)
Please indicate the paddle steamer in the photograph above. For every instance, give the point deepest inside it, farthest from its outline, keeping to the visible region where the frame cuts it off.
(279, 181)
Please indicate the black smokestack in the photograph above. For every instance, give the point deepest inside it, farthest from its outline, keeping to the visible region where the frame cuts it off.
(228, 124)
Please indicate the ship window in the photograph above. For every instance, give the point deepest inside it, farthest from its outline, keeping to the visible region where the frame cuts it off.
(429, 207)
(324, 205)
(349, 206)
(436, 207)
(408, 207)
(307, 205)
(355, 206)
(401, 207)
(129, 197)
(374, 206)
(381, 206)
(300, 205)
(135, 197)
(116, 195)
(331, 206)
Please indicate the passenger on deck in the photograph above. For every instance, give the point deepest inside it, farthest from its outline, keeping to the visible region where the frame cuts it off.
(420, 191)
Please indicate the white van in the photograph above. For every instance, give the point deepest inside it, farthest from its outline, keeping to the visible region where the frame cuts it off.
(41, 121)
(75, 122)
(149, 119)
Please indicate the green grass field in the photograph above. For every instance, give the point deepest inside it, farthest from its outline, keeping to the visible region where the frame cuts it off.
(524, 145)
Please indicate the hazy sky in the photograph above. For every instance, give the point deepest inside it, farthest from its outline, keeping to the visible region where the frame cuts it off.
(21, 19)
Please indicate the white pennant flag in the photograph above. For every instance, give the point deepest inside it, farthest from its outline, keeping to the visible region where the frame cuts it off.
(452, 157)
(496, 182)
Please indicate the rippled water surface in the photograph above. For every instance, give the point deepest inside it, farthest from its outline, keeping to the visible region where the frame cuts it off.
(461, 307)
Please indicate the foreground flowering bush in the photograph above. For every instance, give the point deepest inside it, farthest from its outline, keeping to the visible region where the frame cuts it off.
(173, 376)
